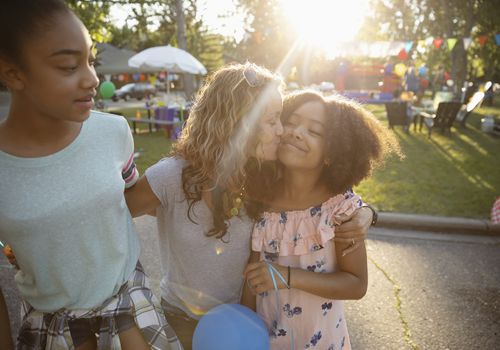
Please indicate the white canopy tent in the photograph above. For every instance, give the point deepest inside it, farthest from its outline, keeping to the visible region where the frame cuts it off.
(168, 58)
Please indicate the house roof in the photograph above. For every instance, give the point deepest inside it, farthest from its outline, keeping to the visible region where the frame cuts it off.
(112, 60)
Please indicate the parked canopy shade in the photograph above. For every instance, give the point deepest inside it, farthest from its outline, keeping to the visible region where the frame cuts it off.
(171, 59)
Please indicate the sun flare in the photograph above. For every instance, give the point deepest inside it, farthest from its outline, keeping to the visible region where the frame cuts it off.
(326, 23)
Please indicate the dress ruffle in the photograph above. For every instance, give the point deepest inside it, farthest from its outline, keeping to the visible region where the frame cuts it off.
(303, 231)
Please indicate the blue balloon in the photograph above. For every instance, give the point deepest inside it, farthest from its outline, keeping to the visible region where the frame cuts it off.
(231, 327)
(422, 70)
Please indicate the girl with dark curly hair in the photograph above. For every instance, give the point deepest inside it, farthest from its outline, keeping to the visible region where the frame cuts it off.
(305, 269)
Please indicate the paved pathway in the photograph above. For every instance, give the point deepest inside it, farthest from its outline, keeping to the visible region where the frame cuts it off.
(426, 290)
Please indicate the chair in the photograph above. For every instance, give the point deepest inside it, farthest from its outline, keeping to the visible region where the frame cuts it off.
(445, 116)
(473, 103)
(397, 114)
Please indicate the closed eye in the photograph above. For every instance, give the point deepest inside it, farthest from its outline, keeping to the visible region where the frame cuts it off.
(315, 132)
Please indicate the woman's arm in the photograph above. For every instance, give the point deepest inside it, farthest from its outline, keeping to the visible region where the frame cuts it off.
(350, 282)
(141, 199)
(357, 226)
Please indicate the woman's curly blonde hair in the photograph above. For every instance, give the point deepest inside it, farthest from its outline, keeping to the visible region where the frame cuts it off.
(220, 134)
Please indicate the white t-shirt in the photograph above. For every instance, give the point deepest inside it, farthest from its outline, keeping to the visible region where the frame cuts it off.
(199, 272)
(66, 219)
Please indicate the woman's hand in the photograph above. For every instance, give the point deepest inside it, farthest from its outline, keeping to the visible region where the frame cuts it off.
(356, 227)
(258, 277)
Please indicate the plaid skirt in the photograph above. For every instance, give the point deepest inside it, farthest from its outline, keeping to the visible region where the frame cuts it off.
(50, 331)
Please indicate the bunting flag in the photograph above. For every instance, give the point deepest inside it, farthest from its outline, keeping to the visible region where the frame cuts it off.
(467, 42)
(400, 49)
(408, 46)
(482, 40)
(421, 46)
(451, 43)
(403, 55)
(437, 43)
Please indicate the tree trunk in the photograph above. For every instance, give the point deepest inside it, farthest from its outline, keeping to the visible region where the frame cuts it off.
(459, 65)
(459, 60)
(182, 42)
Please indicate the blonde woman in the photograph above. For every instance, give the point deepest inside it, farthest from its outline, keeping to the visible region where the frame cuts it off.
(201, 196)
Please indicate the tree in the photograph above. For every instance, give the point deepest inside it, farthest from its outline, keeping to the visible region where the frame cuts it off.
(267, 39)
(418, 19)
(95, 16)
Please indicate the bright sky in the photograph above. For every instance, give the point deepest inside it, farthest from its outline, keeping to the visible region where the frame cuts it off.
(323, 23)
(326, 23)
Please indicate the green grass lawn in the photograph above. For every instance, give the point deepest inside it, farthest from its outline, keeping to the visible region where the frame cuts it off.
(457, 175)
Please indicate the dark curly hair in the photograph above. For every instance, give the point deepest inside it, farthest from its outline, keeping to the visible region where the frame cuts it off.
(356, 142)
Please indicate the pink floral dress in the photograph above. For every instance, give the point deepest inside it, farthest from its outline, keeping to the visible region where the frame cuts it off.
(303, 239)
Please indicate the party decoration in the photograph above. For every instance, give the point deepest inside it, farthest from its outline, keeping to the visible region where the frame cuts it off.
(136, 76)
(437, 43)
(403, 55)
(422, 71)
(230, 327)
(497, 39)
(467, 42)
(451, 43)
(421, 46)
(482, 40)
(408, 46)
(400, 69)
(152, 79)
(107, 89)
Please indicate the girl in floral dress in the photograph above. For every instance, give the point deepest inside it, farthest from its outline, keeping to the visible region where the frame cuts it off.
(328, 146)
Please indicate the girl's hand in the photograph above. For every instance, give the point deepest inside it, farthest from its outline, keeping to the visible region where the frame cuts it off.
(259, 279)
(7, 250)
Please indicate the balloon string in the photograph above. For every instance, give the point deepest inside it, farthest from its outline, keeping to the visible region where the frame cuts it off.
(272, 272)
